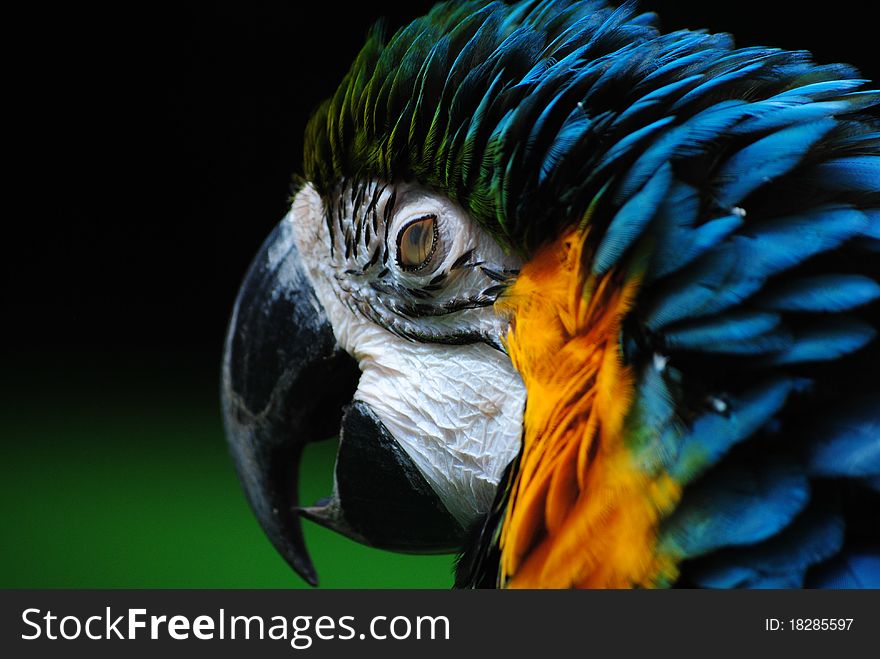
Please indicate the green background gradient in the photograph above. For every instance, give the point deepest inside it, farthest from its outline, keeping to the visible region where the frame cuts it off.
(122, 479)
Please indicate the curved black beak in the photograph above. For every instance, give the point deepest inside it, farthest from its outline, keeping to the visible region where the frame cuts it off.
(286, 383)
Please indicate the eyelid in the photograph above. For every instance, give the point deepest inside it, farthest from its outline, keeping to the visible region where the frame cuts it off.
(435, 236)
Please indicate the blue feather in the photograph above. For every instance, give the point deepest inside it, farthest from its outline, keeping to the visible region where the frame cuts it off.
(690, 138)
(656, 97)
(680, 60)
(827, 341)
(714, 434)
(767, 159)
(873, 228)
(855, 569)
(582, 26)
(718, 281)
(823, 293)
(858, 174)
(848, 445)
(738, 267)
(624, 146)
(823, 90)
(772, 115)
(711, 124)
(717, 82)
(737, 506)
(792, 579)
(870, 140)
(782, 243)
(859, 101)
(678, 241)
(732, 328)
(708, 236)
(630, 221)
(780, 562)
(569, 135)
(649, 422)
(770, 343)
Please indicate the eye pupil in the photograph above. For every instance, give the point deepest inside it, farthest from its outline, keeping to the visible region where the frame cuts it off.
(416, 243)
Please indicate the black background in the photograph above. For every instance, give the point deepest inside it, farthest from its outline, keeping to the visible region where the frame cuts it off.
(152, 147)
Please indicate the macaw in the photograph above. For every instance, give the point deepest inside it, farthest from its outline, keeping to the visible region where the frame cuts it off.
(592, 304)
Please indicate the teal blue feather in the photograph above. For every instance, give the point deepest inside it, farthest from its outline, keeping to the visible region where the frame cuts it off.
(624, 146)
(826, 341)
(848, 444)
(688, 139)
(629, 222)
(780, 562)
(738, 267)
(736, 327)
(717, 281)
(652, 425)
(861, 100)
(739, 505)
(719, 82)
(773, 115)
(854, 569)
(770, 343)
(859, 174)
(822, 90)
(767, 159)
(779, 244)
(683, 245)
(674, 223)
(715, 433)
(872, 229)
(658, 96)
(823, 293)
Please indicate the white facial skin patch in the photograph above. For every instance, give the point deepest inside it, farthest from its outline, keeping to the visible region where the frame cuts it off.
(455, 409)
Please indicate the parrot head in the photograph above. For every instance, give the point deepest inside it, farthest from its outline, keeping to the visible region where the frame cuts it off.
(372, 318)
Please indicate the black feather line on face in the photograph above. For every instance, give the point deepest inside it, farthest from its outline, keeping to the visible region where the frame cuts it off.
(450, 307)
(493, 291)
(358, 234)
(374, 200)
(388, 213)
(494, 274)
(462, 260)
(374, 259)
(348, 244)
(340, 216)
(328, 220)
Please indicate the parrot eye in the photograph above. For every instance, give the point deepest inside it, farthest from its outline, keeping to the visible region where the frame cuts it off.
(416, 243)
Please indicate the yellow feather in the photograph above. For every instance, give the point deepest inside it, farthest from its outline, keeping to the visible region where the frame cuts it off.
(581, 513)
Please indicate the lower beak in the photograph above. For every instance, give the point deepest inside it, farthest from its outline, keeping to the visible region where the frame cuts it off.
(285, 383)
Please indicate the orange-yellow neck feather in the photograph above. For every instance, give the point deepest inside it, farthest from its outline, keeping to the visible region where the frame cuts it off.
(580, 513)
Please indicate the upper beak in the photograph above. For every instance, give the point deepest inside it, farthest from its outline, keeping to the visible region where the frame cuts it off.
(286, 382)
(283, 377)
